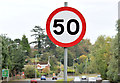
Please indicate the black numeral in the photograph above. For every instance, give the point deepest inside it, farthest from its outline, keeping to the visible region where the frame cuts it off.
(77, 27)
(60, 25)
(56, 24)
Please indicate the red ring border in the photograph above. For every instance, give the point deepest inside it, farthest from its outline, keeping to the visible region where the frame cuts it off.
(71, 43)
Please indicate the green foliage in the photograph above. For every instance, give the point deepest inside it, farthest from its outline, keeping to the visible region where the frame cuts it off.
(81, 48)
(40, 74)
(29, 71)
(12, 56)
(38, 33)
(70, 58)
(113, 63)
(17, 40)
(80, 68)
(118, 28)
(0, 57)
(49, 45)
(25, 45)
(59, 53)
(70, 70)
(53, 63)
(99, 56)
(46, 70)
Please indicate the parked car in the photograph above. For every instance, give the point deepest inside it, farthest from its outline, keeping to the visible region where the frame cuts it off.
(99, 79)
(84, 78)
(43, 78)
(92, 80)
(77, 79)
(33, 81)
(54, 78)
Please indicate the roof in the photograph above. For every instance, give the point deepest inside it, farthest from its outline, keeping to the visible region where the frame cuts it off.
(42, 63)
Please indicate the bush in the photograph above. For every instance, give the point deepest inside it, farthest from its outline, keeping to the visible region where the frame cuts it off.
(45, 74)
(46, 70)
(29, 71)
(70, 71)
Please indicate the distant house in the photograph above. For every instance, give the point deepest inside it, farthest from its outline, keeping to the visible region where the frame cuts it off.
(42, 65)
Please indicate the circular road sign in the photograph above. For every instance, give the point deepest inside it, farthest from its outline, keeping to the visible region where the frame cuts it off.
(66, 26)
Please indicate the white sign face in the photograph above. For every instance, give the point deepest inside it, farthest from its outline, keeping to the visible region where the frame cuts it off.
(66, 19)
(66, 26)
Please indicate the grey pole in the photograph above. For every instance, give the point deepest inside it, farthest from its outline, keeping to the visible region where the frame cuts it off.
(65, 64)
(65, 4)
(65, 55)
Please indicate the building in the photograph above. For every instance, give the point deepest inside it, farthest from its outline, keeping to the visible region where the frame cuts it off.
(41, 65)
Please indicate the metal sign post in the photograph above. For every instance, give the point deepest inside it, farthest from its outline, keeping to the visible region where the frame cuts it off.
(65, 56)
(61, 32)
(65, 64)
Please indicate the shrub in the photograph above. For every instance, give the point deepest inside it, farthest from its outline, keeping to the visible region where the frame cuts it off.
(29, 71)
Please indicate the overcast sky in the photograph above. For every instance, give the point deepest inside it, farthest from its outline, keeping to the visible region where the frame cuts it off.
(18, 17)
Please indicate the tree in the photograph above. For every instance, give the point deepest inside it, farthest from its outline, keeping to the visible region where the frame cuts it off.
(70, 58)
(81, 48)
(59, 53)
(114, 64)
(18, 60)
(49, 45)
(82, 58)
(0, 57)
(29, 71)
(80, 68)
(92, 66)
(5, 56)
(25, 45)
(17, 40)
(82, 63)
(12, 56)
(99, 56)
(118, 28)
(39, 38)
(46, 70)
(53, 63)
(112, 73)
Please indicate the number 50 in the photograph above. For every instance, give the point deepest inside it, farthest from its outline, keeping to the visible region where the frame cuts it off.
(56, 24)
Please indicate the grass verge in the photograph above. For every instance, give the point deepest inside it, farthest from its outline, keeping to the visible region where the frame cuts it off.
(62, 80)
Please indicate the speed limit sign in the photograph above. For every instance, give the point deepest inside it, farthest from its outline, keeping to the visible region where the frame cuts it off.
(66, 26)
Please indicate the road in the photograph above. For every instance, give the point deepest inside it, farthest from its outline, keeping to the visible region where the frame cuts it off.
(49, 80)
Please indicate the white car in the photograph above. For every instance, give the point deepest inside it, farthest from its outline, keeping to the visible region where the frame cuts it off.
(84, 78)
(92, 80)
(77, 79)
(99, 79)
